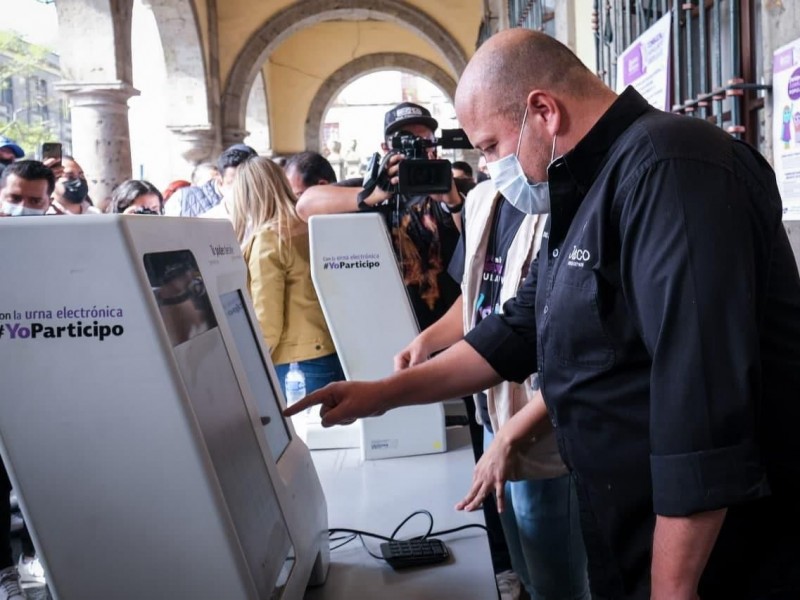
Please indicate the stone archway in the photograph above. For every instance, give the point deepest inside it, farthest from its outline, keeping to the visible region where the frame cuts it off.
(188, 114)
(363, 66)
(299, 16)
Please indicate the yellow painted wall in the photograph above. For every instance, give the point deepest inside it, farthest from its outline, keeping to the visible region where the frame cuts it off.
(460, 17)
(239, 19)
(300, 65)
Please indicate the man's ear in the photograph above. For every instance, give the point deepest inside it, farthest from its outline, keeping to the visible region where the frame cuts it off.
(322, 182)
(544, 110)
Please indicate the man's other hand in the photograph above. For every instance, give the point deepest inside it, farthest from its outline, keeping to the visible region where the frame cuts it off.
(415, 353)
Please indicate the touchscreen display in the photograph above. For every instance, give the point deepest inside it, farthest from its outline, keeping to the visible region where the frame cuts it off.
(257, 375)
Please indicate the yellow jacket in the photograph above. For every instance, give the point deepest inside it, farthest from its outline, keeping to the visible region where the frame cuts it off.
(283, 295)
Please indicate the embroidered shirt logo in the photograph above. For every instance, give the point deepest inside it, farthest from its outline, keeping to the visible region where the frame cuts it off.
(578, 257)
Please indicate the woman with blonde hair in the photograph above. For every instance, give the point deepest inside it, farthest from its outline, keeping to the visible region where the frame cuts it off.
(275, 246)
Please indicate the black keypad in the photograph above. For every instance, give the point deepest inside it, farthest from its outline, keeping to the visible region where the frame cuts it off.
(410, 553)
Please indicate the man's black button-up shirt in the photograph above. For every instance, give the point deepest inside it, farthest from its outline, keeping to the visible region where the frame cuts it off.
(664, 320)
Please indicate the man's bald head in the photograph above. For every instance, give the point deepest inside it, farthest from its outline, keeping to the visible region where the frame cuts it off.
(515, 61)
(517, 72)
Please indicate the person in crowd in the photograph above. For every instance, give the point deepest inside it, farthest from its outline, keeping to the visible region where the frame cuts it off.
(275, 246)
(306, 169)
(25, 190)
(224, 210)
(196, 200)
(352, 161)
(539, 508)
(424, 228)
(662, 315)
(462, 170)
(71, 195)
(9, 151)
(172, 188)
(203, 173)
(462, 177)
(136, 197)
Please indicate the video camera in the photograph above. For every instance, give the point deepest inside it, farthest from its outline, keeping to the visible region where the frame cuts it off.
(418, 175)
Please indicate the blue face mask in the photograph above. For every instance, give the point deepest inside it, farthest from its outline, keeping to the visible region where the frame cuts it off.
(509, 179)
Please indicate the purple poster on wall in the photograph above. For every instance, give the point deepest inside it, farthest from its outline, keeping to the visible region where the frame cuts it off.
(645, 64)
(786, 126)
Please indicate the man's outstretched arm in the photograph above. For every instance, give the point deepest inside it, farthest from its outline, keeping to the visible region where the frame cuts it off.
(454, 373)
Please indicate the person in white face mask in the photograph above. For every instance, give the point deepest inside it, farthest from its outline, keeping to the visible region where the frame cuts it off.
(25, 189)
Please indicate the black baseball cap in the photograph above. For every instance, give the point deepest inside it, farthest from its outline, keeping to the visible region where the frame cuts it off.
(407, 113)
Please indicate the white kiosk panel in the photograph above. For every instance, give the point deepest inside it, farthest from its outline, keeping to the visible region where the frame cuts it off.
(370, 318)
(131, 421)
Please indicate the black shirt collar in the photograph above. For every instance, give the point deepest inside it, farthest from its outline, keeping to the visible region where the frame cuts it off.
(585, 159)
(570, 176)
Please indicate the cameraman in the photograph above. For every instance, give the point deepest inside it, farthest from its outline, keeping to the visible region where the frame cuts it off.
(424, 229)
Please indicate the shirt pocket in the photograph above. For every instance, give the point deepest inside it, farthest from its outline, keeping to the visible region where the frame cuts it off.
(577, 336)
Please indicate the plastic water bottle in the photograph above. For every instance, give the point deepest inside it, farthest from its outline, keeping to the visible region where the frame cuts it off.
(295, 384)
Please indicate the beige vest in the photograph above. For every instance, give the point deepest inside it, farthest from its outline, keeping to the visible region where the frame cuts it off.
(539, 458)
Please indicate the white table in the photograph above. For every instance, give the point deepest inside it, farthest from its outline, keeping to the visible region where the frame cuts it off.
(376, 496)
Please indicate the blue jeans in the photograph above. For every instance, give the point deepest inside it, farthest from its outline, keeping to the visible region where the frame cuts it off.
(541, 523)
(319, 372)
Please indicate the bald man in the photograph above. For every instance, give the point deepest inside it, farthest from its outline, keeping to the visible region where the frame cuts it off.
(663, 317)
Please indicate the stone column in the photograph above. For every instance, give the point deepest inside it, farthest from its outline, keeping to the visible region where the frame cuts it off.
(100, 134)
(194, 145)
(233, 136)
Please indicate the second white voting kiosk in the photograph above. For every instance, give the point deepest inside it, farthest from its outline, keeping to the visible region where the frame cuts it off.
(370, 319)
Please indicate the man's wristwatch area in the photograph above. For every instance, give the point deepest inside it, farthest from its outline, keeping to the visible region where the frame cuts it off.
(361, 199)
